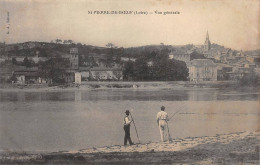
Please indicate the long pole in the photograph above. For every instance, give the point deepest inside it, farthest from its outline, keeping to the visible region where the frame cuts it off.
(135, 128)
(175, 113)
(170, 138)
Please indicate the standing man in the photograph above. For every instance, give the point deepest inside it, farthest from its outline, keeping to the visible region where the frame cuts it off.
(162, 118)
(127, 122)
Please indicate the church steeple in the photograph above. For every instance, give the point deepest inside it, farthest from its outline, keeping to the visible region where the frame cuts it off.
(207, 44)
(207, 36)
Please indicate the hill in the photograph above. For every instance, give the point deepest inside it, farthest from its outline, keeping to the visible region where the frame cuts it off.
(253, 52)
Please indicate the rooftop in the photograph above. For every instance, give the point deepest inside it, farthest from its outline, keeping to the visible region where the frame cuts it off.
(178, 52)
(105, 69)
(202, 62)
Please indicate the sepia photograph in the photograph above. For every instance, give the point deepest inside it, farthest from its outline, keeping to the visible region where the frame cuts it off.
(129, 82)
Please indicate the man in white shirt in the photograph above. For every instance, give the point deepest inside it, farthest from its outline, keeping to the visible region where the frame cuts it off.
(127, 122)
(162, 118)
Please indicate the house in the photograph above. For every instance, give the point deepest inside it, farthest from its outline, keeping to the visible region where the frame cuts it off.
(222, 70)
(9, 47)
(2, 59)
(236, 74)
(6, 71)
(248, 65)
(257, 71)
(77, 78)
(26, 75)
(126, 59)
(5, 74)
(106, 74)
(180, 55)
(202, 70)
(250, 59)
(84, 72)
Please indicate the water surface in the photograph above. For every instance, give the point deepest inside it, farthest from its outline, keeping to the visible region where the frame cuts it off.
(72, 120)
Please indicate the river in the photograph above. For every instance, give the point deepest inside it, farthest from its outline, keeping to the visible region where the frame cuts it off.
(65, 120)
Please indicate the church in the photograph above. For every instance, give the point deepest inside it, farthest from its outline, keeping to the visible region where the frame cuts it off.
(203, 69)
(207, 44)
(206, 47)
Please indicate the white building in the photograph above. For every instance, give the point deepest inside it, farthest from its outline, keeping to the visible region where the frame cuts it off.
(106, 74)
(202, 70)
(77, 78)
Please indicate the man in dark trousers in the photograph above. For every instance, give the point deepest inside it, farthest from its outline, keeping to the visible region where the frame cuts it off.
(127, 122)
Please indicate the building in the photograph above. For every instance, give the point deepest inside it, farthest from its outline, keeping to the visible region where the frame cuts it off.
(7, 70)
(84, 72)
(106, 74)
(126, 59)
(209, 51)
(5, 74)
(222, 72)
(202, 70)
(207, 44)
(180, 55)
(27, 75)
(257, 71)
(250, 66)
(74, 58)
(77, 78)
(236, 74)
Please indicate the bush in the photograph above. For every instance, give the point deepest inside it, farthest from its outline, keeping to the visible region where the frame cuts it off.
(250, 79)
(95, 86)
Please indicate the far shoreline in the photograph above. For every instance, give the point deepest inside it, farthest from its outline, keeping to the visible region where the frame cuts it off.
(128, 85)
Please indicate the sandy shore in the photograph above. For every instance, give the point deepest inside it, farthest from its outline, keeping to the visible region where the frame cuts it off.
(235, 148)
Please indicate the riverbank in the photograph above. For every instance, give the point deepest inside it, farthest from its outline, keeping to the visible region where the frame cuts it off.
(97, 85)
(235, 148)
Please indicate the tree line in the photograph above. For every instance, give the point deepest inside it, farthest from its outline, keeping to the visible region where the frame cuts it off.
(155, 66)
(151, 63)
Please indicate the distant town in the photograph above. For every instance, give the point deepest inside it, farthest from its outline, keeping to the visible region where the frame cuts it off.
(67, 62)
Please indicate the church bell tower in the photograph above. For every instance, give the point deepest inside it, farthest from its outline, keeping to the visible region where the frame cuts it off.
(207, 44)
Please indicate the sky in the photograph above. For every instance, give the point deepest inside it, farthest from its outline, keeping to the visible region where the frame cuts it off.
(232, 23)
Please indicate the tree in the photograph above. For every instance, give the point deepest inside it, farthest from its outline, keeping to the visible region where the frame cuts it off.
(196, 55)
(141, 70)
(110, 45)
(110, 54)
(14, 61)
(70, 41)
(128, 71)
(54, 69)
(58, 41)
(26, 62)
(117, 74)
(161, 69)
(42, 52)
(97, 75)
(12, 79)
(250, 79)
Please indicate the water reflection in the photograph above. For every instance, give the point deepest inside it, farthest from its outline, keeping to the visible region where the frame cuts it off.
(78, 95)
(141, 95)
